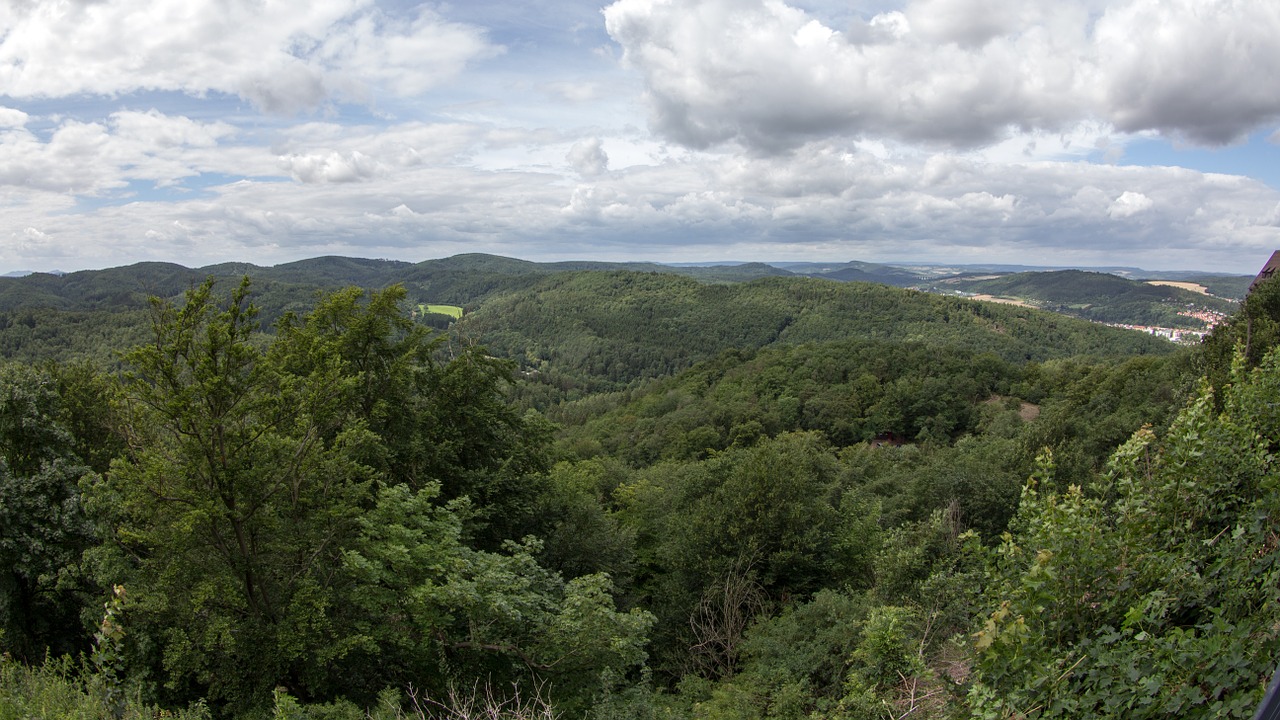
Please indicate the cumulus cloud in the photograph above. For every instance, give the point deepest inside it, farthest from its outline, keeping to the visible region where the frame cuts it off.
(588, 157)
(968, 23)
(951, 72)
(331, 167)
(819, 199)
(88, 158)
(11, 118)
(938, 129)
(1203, 69)
(1129, 204)
(283, 57)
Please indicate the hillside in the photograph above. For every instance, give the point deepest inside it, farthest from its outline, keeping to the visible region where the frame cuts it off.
(685, 498)
(855, 271)
(1099, 297)
(586, 332)
(667, 323)
(1226, 287)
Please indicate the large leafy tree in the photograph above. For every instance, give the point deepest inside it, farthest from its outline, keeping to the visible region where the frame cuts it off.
(432, 608)
(278, 517)
(438, 410)
(233, 502)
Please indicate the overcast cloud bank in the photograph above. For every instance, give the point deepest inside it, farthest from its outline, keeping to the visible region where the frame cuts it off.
(960, 130)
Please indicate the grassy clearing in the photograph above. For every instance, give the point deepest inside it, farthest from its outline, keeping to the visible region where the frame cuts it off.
(452, 311)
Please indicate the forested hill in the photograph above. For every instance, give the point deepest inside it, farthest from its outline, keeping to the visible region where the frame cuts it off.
(459, 279)
(1096, 296)
(780, 499)
(586, 326)
(599, 331)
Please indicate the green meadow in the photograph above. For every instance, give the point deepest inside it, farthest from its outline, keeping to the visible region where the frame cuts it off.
(451, 310)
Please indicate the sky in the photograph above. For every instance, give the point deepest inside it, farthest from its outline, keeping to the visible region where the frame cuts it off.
(1138, 133)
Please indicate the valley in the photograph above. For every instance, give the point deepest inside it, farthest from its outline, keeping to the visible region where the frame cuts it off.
(631, 490)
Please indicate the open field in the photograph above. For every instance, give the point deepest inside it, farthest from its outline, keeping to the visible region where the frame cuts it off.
(1006, 301)
(1193, 287)
(451, 310)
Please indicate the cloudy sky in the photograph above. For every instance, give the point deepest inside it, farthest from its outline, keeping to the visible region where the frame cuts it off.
(1048, 132)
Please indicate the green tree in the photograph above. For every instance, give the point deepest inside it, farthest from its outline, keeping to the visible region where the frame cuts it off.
(431, 607)
(1153, 592)
(1253, 330)
(43, 527)
(440, 413)
(280, 518)
(722, 540)
(231, 506)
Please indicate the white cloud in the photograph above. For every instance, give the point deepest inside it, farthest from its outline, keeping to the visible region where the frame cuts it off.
(954, 72)
(331, 167)
(588, 157)
(941, 129)
(283, 57)
(159, 131)
(1203, 69)
(968, 23)
(573, 92)
(89, 158)
(404, 57)
(1129, 204)
(11, 118)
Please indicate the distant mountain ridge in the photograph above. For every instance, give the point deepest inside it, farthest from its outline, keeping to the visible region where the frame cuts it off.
(504, 264)
(467, 278)
(672, 315)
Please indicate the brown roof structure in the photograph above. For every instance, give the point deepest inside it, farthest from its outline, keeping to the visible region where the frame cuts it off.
(1271, 268)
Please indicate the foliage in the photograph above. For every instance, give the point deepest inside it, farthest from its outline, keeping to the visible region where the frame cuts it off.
(589, 332)
(1253, 331)
(852, 391)
(582, 534)
(722, 540)
(793, 502)
(56, 690)
(1089, 409)
(237, 491)
(43, 527)
(494, 614)
(275, 515)
(1154, 592)
(437, 417)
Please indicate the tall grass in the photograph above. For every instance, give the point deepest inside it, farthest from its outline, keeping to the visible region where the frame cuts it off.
(60, 689)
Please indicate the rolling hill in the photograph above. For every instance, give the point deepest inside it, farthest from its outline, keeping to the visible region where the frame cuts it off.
(606, 324)
(1100, 297)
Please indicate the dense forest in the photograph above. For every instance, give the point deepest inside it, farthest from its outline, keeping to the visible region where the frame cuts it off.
(611, 492)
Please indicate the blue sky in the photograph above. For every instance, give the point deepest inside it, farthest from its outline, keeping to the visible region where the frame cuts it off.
(1054, 132)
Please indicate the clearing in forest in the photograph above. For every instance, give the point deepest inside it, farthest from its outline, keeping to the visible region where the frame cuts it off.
(451, 310)
(1193, 287)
